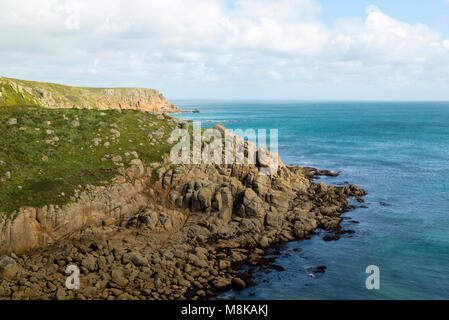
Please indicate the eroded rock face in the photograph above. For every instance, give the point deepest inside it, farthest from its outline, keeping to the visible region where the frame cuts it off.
(32, 227)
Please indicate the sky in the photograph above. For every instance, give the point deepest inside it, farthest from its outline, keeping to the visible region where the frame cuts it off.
(234, 49)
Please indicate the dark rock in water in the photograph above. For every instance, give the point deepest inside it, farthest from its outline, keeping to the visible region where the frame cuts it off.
(316, 272)
(354, 221)
(316, 172)
(345, 232)
(331, 237)
(196, 111)
(278, 267)
(327, 173)
(384, 204)
(360, 200)
(354, 191)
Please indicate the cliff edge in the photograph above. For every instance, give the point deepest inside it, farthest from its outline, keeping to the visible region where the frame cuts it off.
(15, 92)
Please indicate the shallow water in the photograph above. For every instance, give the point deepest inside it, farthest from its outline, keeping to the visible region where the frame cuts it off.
(399, 153)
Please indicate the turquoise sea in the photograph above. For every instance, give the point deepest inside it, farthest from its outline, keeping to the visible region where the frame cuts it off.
(399, 153)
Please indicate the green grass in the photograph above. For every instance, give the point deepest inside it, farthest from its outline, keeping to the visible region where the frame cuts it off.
(73, 160)
(12, 98)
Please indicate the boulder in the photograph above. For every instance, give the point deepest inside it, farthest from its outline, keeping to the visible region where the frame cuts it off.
(205, 198)
(280, 200)
(198, 261)
(305, 223)
(8, 268)
(264, 242)
(252, 205)
(261, 185)
(222, 283)
(138, 259)
(118, 277)
(89, 263)
(273, 219)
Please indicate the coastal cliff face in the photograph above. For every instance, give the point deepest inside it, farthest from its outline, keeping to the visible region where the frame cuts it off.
(282, 207)
(157, 230)
(15, 92)
(96, 189)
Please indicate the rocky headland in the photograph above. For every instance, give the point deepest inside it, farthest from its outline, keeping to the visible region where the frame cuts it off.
(15, 92)
(149, 229)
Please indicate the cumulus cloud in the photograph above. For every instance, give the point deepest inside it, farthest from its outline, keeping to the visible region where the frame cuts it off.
(219, 47)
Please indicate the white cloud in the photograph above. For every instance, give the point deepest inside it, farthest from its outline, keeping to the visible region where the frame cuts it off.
(446, 43)
(247, 46)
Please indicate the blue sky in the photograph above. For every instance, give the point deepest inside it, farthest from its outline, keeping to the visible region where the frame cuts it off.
(239, 49)
(434, 13)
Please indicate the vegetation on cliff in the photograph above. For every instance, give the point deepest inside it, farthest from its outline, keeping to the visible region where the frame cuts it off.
(47, 155)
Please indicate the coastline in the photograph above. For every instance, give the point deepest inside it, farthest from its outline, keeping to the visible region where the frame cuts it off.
(184, 244)
(165, 231)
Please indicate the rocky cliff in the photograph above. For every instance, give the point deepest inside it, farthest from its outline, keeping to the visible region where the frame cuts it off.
(14, 92)
(164, 231)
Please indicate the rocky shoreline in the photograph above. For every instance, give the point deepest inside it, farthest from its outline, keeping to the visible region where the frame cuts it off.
(195, 229)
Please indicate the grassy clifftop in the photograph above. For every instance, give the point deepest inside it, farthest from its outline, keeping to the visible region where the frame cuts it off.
(48, 155)
(14, 92)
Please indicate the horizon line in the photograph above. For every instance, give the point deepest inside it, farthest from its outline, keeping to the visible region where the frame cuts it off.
(303, 100)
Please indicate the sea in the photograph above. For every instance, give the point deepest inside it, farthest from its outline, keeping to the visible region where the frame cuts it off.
(399, 153)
